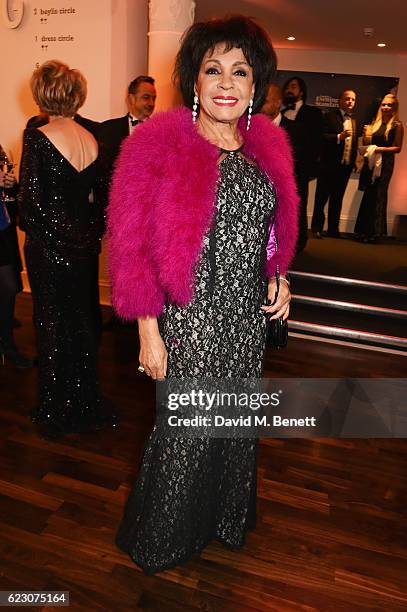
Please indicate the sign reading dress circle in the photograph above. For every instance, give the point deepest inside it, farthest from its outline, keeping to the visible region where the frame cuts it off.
(11, 12)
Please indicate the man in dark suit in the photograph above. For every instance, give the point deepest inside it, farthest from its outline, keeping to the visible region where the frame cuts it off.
(272, 108)
(141, 96)
(338, 155)
(306, 138)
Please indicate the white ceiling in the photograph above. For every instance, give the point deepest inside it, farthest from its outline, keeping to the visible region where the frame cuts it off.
(322, 24)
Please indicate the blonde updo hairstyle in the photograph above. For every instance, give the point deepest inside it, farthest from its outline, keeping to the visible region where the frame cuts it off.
(58, 89)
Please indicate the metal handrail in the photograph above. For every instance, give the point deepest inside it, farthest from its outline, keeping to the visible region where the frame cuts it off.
(341, 332)
(355, 282)
(350, 306)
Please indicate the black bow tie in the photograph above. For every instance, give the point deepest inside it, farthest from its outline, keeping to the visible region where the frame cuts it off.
(347, 116)
(290, 106)
(134, 121)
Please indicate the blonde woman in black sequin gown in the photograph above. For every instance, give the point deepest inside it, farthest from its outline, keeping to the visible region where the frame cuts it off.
(63, 230)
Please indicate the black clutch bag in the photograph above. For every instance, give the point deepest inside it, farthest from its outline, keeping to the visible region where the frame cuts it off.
(277, 329)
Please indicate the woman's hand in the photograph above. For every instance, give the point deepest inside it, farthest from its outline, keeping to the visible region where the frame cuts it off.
(345, 134)
(282, 306)
(367, 135)
(7, 180)
(153, 354)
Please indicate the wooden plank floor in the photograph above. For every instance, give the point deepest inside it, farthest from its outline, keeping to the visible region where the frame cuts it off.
(331, 533)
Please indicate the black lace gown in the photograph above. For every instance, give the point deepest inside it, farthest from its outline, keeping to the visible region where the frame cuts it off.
(190, 491)
(63, 230)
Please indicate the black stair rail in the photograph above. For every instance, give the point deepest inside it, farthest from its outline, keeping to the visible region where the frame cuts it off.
(378, 325)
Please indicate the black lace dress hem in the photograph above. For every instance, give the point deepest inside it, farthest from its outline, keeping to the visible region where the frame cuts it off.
(149, 571)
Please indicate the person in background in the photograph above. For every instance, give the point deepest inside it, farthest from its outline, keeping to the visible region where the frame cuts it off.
(201, 220)
(337, 160)
(272, 104)
(141, 97)
(10, 268)
(307, 144)
(63, 228)
(93, 127)
(272, 109)
(383, 139)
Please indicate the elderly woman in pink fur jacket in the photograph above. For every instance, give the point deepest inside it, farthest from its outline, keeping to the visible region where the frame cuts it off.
(202, 216)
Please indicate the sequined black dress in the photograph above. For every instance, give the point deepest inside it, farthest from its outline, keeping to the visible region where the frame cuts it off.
(190, 491)
(63, 231)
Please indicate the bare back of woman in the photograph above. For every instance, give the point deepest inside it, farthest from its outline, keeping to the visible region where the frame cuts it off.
(76, 144)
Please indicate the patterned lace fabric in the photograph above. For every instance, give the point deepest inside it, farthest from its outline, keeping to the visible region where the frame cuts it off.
(192, 490)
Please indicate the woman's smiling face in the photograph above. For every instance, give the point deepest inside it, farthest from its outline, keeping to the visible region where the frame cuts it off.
(387, 106)
(225, 84)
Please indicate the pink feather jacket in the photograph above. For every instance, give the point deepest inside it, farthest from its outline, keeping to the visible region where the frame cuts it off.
(163, 200)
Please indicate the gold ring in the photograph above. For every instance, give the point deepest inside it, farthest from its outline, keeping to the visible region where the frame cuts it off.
(141, 369)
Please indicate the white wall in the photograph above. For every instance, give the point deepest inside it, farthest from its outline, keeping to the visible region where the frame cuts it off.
(129, 29)
(128, 22)
(90, 52)
(375, 64)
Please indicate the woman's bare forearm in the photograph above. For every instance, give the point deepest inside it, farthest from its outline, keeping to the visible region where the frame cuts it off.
(148, 327)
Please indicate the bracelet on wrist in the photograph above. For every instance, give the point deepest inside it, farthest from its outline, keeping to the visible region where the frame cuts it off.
(282, 278)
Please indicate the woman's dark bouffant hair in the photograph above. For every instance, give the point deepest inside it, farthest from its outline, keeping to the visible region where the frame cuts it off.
(234, 31)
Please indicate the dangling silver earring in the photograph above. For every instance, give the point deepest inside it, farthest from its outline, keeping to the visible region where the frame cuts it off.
(249, 114)
(195, 109)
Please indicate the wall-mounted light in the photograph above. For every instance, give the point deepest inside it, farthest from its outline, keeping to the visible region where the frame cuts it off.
(290, 37)
(381, 44)
(12, 13)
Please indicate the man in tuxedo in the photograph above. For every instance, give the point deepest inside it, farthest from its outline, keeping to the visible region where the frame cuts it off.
(306, 137)
(141, 96)
(338, 155)
(272, 108)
